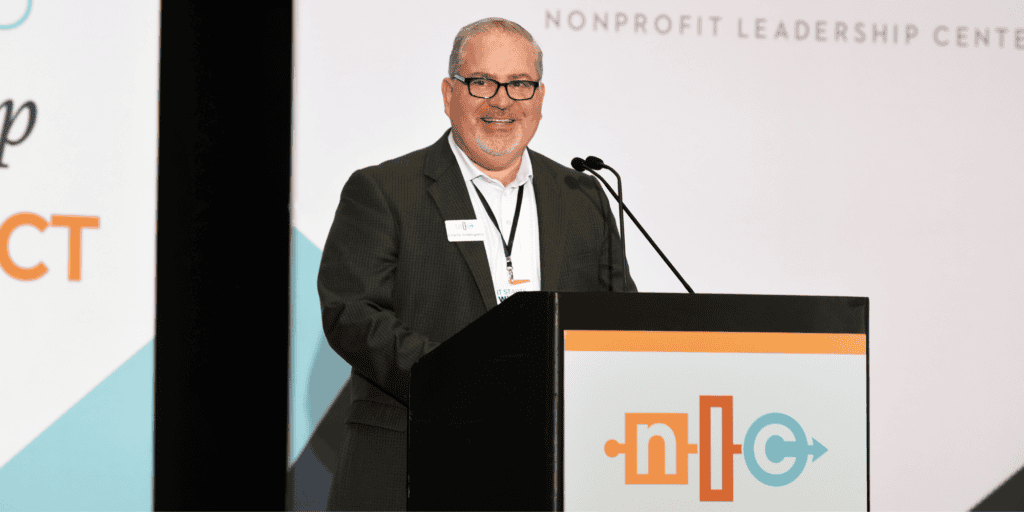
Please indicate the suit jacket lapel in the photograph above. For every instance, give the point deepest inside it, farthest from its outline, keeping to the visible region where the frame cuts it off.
(551, 222)
(448, 190)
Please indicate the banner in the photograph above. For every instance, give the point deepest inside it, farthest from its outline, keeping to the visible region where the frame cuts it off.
(78, 146)
(841, 148)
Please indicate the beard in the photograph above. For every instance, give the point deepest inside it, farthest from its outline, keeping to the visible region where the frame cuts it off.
(498, 148)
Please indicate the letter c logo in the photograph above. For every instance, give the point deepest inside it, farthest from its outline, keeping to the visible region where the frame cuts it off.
(777, 449)
(28, 9)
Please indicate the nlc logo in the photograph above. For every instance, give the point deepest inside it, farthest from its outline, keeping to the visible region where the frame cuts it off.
(657, 449)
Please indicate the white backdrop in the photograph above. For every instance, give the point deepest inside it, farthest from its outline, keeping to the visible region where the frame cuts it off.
(883, 168)
(91, 69)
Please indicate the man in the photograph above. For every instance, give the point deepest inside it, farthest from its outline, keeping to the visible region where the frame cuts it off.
(423, 245)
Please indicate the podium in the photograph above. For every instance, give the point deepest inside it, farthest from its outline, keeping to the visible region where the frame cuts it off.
(565, 401)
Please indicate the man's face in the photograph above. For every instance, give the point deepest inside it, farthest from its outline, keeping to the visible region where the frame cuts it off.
(494, 132)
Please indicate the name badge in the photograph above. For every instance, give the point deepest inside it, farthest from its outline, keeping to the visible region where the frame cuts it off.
(518, 285)
(469, 230)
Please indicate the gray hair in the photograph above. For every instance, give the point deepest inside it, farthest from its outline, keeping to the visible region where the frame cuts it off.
(486, 25)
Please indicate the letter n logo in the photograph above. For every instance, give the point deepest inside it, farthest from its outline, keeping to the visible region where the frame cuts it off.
(656, 448)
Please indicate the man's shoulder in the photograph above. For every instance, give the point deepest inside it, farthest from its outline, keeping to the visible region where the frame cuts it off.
(539, 161)
(561, 174)
(408, 166)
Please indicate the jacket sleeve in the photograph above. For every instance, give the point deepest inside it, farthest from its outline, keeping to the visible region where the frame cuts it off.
(356, 284)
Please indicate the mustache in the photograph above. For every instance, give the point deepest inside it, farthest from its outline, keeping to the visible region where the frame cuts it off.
(499, 113)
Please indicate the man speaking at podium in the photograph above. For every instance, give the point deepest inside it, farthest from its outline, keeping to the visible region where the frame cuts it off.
(424, 244)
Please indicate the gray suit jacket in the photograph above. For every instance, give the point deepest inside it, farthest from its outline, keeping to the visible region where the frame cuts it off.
(392, 288)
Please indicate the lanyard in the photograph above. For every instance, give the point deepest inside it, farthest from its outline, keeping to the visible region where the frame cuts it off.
(512, 233)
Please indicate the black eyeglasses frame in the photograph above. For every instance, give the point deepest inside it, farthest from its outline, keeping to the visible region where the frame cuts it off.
(536, 85)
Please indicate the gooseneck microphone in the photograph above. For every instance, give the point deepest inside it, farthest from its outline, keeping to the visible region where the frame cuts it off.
(577, 163)
(581, 166)
(596, 163)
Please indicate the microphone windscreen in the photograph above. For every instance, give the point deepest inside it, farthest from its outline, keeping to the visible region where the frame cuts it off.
(577, 163)
(595, 162)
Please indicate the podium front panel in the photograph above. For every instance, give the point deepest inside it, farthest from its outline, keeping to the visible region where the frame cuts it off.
(718, 419)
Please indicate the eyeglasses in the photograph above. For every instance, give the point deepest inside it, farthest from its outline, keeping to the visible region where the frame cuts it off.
(486, 88)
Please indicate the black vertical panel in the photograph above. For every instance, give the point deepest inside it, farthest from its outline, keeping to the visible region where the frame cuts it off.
(223, 230)
(483, 408)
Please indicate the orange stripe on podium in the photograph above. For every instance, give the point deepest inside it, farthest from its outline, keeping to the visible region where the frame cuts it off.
(716, 342)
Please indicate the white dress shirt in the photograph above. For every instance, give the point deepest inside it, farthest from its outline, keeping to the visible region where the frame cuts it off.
(502, 200)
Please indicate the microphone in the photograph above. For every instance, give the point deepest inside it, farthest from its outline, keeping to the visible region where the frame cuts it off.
(596, 163)
(577, 163)
(581, 166)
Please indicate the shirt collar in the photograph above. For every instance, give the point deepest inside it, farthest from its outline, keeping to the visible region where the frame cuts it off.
(470, 172)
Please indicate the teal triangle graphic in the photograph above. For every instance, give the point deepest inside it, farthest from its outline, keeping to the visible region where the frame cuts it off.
(317, 371)
(98, 455)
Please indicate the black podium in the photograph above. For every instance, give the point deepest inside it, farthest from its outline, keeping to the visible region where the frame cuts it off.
(486, 408)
